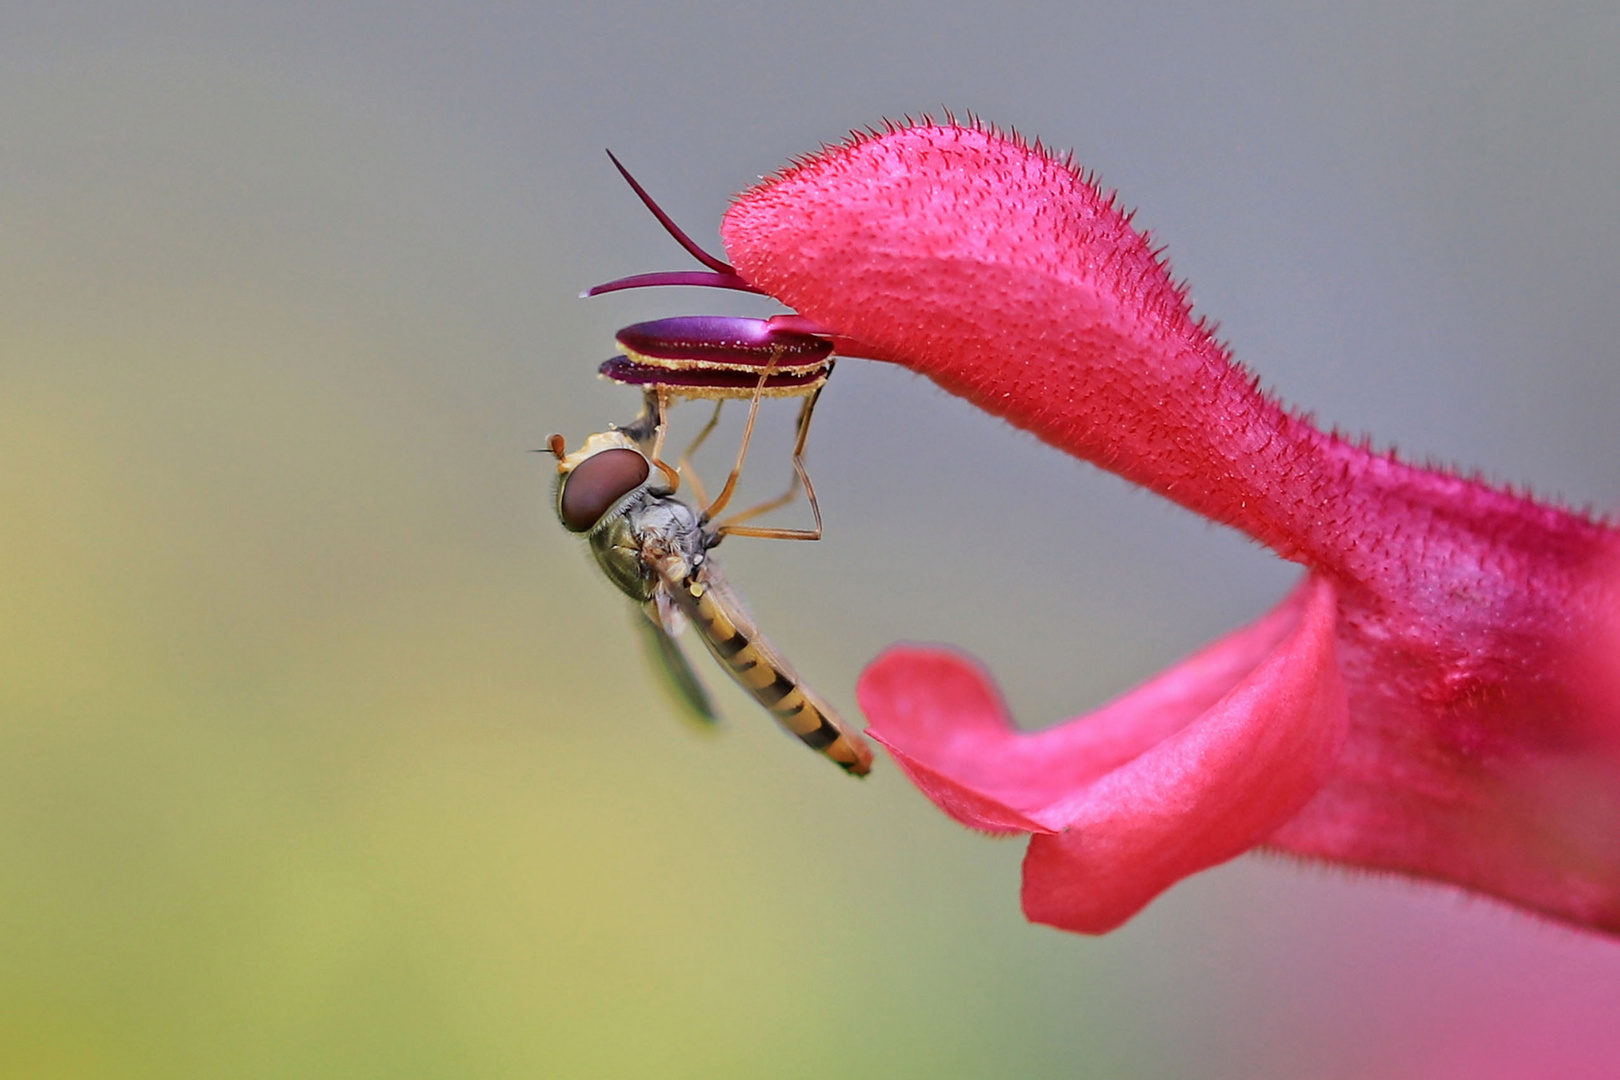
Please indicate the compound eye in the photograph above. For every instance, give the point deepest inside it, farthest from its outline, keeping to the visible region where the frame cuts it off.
(598, 482)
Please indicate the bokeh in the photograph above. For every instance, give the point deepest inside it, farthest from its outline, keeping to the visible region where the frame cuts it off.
(325, 753)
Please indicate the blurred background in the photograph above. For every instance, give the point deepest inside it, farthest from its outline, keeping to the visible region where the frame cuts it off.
(324, 752)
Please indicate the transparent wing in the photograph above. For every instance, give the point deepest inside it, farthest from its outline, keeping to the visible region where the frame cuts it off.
(718, 616)
(674, 672)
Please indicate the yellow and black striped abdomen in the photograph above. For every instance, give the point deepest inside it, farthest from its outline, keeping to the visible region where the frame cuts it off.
(744, 652)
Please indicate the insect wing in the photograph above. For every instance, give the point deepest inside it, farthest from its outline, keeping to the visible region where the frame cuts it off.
(742, 650)
(675, 674)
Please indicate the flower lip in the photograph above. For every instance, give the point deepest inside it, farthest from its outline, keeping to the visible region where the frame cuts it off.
(1190, 769)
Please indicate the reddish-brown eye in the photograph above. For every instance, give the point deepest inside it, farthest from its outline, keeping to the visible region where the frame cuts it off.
(597, 483)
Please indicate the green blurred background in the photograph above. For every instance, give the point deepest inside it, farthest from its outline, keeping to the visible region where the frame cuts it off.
(325, 753)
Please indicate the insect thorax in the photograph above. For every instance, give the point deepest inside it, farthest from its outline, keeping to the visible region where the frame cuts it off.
(645, 530)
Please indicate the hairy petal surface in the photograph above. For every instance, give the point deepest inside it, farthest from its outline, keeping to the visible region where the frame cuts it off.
(1475, 628)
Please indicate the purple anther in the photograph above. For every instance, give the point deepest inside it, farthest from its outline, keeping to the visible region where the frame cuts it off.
(706, 278)
(711, 381)
(722, 342)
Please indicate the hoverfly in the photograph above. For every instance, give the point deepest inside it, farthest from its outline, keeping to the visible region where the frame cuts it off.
(656, 550)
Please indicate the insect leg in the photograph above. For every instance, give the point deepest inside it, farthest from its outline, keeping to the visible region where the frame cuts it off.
(657, 403)
(732, 526)
(685, 465)
(724, 497)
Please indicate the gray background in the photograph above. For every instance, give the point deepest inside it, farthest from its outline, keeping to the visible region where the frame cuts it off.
(325, 752)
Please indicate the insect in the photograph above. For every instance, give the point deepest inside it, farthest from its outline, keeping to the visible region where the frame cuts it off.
(656, 550)
(719, 358)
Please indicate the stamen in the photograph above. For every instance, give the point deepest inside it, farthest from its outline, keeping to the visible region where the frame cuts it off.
(703, 278)
(719, 266)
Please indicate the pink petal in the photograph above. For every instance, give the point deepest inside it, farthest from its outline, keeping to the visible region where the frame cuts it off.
(1477, 629)
(1187, 771)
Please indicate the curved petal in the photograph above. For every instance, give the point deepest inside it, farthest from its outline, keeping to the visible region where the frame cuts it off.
(1185, 772)
(1476, 629)
(945, 726)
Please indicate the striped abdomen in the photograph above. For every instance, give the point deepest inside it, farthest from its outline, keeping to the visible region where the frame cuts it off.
(744, 652)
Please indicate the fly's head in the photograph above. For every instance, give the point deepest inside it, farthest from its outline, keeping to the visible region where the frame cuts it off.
(602, 491)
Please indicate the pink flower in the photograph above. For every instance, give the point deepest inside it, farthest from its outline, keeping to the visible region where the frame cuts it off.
(1440, 697)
